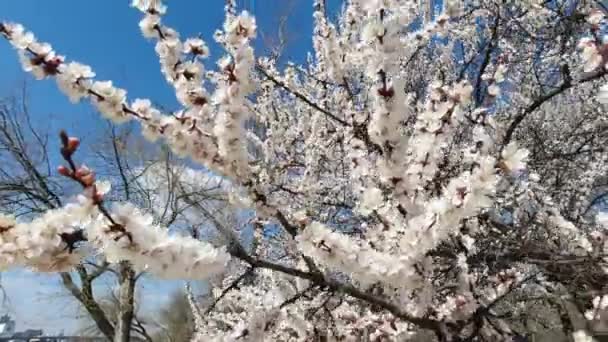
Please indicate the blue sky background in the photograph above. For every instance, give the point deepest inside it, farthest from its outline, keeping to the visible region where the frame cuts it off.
(105, 35)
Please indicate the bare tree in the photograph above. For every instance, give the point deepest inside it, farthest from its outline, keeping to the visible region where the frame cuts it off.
(110, 302)
(277, 39)
(175, 320)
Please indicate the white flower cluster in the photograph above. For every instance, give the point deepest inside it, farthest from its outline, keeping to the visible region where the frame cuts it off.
(337, 251)
(243, 315)
(381, 42)
(433, 129)
(592, 59)
(191, 136)
(255, 312)
(150, 6)
(597, 244)
(514, 158)
(73, 79)
(184, 75)
(327, 47)
(37, 58)
(180, 131)
(464, 197)
(109, 101)
(134, 237)
(45, 244)
(60, 238)
(379, 326)
(457, 307)
(231, 93)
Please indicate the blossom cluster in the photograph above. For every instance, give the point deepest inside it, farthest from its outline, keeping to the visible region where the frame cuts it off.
(46, 243)
(258, 312)
(133, 237)
(361, 262)
(56, 240)
(231, 93)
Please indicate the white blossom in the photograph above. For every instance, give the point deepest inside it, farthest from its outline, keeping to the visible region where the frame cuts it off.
(595, 17)
(196, 47)
(155, 6)
(363, 263)
(602, 95)
(152, 249)
(514, 158)
(74, 80)
(592, 59)
(39, 244)
(149, 25)
(372, 200)
(109, 101)
(494, 90)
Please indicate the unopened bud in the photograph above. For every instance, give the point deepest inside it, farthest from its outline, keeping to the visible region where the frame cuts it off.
(73, 144)
(64, 171)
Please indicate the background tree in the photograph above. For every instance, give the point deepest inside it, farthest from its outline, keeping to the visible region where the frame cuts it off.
(175, 320)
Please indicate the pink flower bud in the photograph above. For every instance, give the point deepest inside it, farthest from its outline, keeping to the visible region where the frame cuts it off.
(64, 171)
(73, 144)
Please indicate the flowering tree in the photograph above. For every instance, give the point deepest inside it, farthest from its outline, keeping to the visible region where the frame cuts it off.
(388, 174)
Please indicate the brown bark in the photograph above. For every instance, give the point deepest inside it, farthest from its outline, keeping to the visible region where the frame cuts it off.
(126, 300)
(85, 297)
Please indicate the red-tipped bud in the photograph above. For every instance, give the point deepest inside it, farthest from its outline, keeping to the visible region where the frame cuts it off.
(73, 144)
(64, 171)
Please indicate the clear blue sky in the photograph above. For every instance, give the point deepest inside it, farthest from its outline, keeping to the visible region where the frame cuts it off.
(105, 35)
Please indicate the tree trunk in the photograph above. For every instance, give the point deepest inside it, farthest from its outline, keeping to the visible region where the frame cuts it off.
(85, 297)
(125, 299)
(429, 8)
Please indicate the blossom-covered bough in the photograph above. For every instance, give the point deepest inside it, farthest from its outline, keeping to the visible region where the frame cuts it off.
(387, 175)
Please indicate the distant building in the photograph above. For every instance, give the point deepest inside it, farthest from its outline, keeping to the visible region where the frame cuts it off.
(8, 334)
(7, 326)
(20, 338)
(28, 335)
